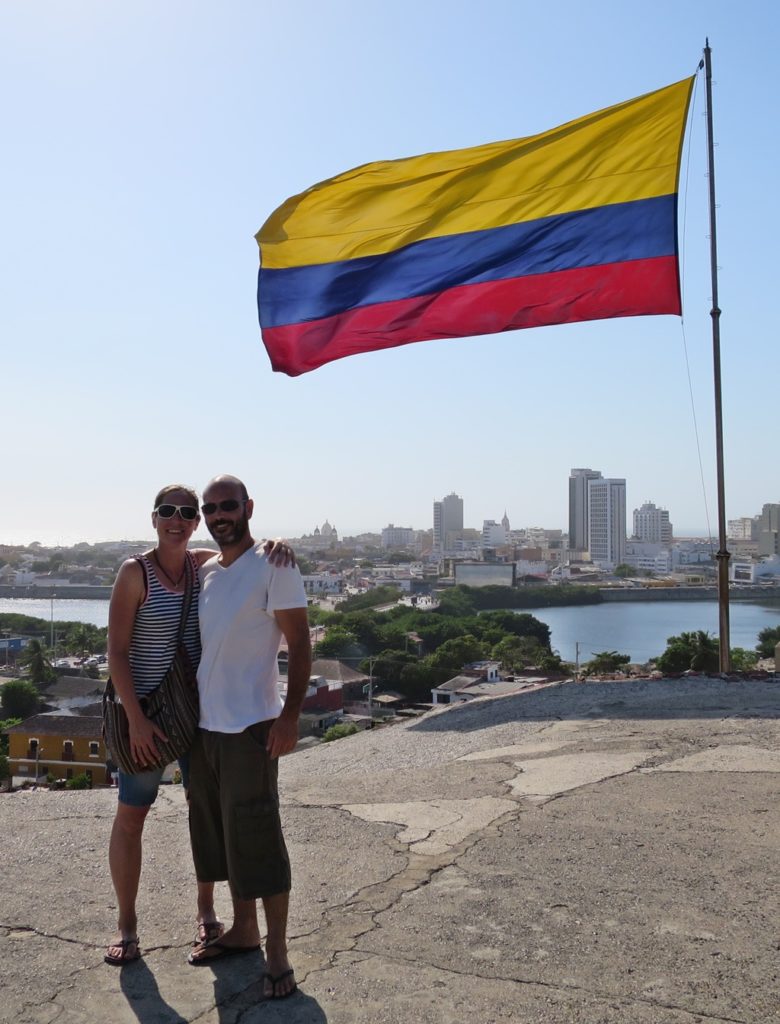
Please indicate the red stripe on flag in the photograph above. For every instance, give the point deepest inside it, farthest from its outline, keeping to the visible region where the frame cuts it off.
(635, 288)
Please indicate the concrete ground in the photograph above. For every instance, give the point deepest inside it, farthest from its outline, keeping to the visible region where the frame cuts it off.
(588, 853)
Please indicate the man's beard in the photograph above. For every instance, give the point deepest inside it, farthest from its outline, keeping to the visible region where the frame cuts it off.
(226, 538)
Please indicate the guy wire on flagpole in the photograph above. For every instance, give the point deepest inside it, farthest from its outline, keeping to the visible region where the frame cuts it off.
(723, 554)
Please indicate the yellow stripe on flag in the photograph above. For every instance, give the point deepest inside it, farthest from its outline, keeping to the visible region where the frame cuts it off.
(626, 152)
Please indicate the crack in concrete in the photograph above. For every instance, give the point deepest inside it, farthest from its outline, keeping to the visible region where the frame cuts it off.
(29, 929)
(541, 799)
(379, 897)
(362, 921)
(358, 916)
(66, 817)
(562, 988)
(347, 922)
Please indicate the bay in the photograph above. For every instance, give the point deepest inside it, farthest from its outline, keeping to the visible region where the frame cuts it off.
(90, 610)
(641, 628)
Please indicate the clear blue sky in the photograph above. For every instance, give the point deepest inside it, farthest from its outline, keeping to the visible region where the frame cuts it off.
(146, 142)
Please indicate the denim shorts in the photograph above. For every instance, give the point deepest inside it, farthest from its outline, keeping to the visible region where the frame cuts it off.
(140, 790)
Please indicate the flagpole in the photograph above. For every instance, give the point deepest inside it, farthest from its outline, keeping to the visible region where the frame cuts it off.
(723, 554)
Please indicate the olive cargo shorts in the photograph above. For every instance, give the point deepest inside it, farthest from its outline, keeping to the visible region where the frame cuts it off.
(235, 828)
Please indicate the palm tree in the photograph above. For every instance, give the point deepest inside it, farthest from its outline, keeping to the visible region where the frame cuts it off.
(38, 665)
(607, 661)
(695, 650)
(80, 639)
(706, 652)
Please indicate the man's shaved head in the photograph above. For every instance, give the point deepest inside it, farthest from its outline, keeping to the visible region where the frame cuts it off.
(233, 481)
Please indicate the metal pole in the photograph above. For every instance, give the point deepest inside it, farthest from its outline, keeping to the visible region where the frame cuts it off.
(371, 661)
(723, 554)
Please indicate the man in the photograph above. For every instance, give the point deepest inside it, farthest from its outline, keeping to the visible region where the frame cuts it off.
(246, 605)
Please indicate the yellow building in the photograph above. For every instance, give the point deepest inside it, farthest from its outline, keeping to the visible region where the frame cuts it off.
(61, 745)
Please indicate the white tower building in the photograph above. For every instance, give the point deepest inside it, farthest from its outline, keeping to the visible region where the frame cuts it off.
(652, 524)
(607, 521)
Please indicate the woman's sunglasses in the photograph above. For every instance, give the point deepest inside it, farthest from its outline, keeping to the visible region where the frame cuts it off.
(187, 512)
(228, 505)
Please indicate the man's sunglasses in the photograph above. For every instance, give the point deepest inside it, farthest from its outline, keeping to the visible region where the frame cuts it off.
(187, 512)
(228, 505)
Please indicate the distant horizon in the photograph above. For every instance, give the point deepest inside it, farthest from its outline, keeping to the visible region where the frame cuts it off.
(201, 537)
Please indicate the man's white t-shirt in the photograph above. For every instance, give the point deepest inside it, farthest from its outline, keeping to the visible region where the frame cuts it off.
(238, 674)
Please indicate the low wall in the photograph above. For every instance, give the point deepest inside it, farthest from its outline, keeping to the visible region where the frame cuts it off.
(693, 593)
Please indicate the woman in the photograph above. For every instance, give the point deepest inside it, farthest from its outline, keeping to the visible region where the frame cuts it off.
(143, 624)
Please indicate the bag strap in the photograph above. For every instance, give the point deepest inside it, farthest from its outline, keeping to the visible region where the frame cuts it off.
(187, 602)
(109, 693)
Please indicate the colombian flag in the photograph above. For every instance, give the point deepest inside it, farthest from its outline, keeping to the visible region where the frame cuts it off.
(578, 223)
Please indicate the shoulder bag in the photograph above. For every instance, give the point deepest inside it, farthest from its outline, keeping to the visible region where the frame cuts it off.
(172, 706)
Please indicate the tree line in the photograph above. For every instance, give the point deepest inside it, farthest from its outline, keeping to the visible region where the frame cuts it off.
(412, 651)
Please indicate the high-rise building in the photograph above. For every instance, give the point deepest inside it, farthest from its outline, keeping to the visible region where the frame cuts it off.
(578, 507)
(769, 531)
(494, 535)
(607, 521)
(652, 524)
(744, 528)
(447, 520)
(398, 536)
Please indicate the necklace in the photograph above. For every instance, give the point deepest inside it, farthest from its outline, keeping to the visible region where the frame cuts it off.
(171, 580)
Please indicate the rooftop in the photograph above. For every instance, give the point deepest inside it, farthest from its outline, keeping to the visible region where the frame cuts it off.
(53, 723)
(65, 687)
(598, 853)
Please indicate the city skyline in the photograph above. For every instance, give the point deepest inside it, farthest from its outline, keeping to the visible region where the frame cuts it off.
(131, 350)
(475, 523)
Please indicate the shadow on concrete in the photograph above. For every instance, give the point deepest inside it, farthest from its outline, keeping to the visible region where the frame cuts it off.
(248, 1003)
(238, 992)
(140, 989)
(628, 699)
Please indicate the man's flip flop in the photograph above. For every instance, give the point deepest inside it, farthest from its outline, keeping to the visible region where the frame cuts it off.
(124, 957)
(275, 979)
(221, 952)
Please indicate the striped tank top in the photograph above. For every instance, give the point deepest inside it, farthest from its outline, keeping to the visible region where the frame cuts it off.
(153, 643)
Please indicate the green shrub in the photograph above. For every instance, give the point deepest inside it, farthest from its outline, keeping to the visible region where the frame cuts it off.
(79, 782)
(20, 699)
(743, 660)
(606, 661)
(337, 732)
(767, 639)
(370, 598)
(696, 651)
(5, 724)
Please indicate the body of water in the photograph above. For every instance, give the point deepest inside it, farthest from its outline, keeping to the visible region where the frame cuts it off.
(92, 611)
(642, 628)
(638, 628)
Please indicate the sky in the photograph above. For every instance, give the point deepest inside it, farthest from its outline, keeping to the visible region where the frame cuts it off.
(146, 143)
